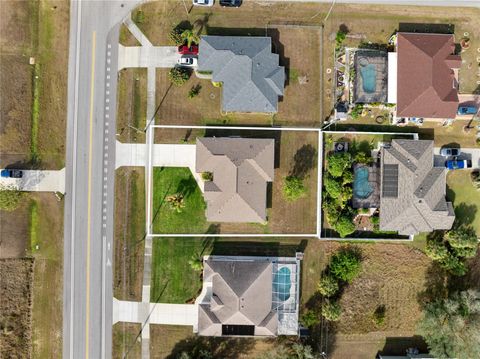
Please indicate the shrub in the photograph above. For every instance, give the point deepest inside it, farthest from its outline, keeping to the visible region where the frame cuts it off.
(293, 188)
(139, 17)
(338, 163)
(333, 187)
(310, 318)
(344, 225)
(207, 176)
(357, 110)
(10, 198)
(331, 311)
(178, 76)
(379, 315)
(345, 265)
(436, 249)
(194, 91)
(175, 35)
(328, 286)
(463, 241)
(362, 157)
(331, 211)
(347, 177)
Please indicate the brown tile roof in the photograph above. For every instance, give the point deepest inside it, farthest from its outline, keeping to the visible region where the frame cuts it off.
(241, 168)
(419, 204)
(426, 86)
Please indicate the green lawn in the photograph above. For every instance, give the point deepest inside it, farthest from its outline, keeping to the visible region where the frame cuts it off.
(191, 219)
(465, 198)
(173, 279)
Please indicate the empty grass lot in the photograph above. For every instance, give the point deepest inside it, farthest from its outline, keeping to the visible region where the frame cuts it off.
(191, 219)
(126, 341)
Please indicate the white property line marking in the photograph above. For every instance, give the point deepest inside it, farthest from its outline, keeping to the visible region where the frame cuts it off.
(319, 183)
(235, 235)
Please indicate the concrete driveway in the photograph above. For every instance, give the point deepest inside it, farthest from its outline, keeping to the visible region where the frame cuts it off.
(38, 181)
(472, 154)
(155, 313)
(147, 56)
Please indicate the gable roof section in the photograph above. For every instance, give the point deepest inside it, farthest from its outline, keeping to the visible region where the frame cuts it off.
(241, 168)
(251, 76)
(241, 295)
(426, 86)
(420, 204)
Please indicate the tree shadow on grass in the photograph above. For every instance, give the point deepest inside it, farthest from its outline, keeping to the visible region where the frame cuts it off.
(198, 347)
(187, 186)
(304, 161)
(465, 214)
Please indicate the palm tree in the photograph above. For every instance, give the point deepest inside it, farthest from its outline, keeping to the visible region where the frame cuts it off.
(176, 202)
(190, 37)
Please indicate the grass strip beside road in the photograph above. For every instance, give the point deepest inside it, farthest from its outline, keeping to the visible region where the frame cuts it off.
(34, 157)
(34, 222)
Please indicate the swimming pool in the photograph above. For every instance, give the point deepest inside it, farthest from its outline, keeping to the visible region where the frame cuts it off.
(369, 78)
(282, 283)
(361, 187)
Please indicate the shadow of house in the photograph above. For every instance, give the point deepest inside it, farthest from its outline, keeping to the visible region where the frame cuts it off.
(209, 347)
(279, 48)
(265, 249)
(426, 28)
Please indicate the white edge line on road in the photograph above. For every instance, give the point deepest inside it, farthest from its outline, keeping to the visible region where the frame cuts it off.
(74, 173)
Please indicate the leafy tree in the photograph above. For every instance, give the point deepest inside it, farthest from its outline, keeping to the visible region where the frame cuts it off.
(347, 177)
(190, 37)
(175, 35)
(301, 351)
(10, 198)
(293, 188)
(333, 187)
(344, 225)
(310, 318)
(328, 286)
(330, 210)
(347, 193)
(463, 241)
(293, 351)
(331, 311)
(451, 327)
(178, 75)
(345, 265)
(454, 265)
(362, 157)
(338, 163)
(436, 249)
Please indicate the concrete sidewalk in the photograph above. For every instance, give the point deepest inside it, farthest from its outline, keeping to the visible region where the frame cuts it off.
(38, 181)
(156, 313)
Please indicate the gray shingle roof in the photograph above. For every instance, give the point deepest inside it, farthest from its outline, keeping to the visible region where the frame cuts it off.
(241, 168)
(420, 205)
(252, 79)
(241, 294)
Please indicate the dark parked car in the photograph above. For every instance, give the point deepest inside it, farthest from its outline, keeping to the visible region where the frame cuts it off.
(185, 50)
(11, 173)
(231, 3)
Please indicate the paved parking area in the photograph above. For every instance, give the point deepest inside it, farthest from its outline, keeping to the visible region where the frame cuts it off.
(38, 181)
(472, 154)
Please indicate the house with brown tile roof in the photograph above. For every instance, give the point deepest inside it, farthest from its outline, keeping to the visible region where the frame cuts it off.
(412, 198)
(426, 83)
(241, 169)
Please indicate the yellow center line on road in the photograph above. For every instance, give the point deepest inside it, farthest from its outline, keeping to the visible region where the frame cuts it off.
(89, 200)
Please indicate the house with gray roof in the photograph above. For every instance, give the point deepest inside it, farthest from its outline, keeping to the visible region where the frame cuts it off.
(241, 169)
(412, 198)
(249, 296)
(250, 73)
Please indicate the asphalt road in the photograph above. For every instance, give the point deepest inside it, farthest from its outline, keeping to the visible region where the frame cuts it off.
(89, 205)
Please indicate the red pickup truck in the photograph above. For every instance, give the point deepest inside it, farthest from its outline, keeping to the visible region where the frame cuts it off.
(185, 50)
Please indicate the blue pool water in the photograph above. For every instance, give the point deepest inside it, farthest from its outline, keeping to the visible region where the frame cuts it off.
(282, 283)
(361, 187)
(369, 77)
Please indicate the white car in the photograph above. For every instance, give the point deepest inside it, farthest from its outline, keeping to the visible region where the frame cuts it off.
(187, 61)
(203, 2)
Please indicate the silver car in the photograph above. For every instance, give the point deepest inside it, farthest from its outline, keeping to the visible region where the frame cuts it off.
(447, 151)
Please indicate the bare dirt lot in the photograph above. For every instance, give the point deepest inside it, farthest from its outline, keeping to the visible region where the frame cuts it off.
(126, 342)
(14, 231)
(15, 308)
(41, 32)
